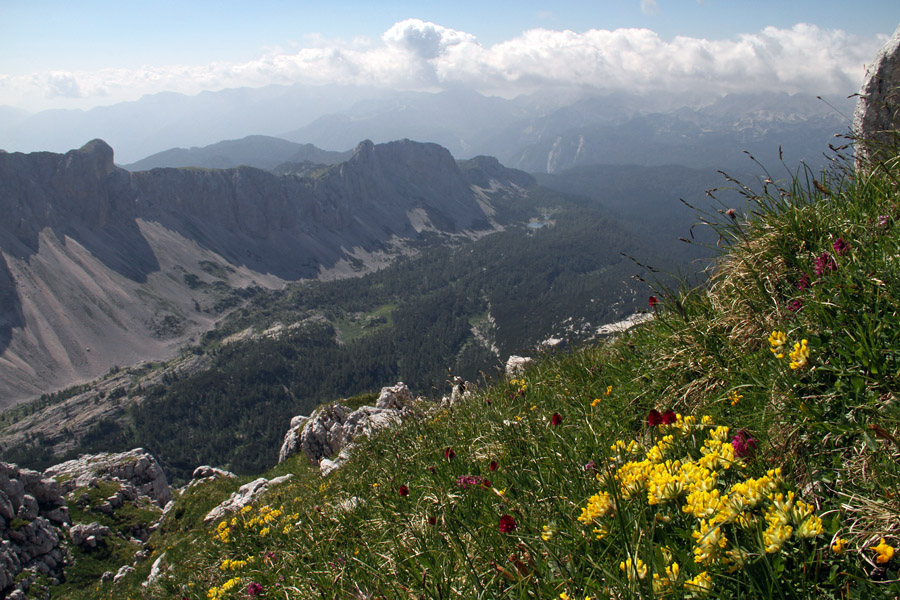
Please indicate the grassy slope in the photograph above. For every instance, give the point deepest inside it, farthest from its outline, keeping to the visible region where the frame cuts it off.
(830, 425)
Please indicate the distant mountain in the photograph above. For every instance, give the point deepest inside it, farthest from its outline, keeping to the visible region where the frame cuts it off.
(260, 151)
(103, 267)
(161, 121)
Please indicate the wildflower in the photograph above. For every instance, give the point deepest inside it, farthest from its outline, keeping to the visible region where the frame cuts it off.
(595, 402)
(590, 466)
(777, 341)
(825, 263)
(731, 213)
(653, 301)
(840, 246)
(465, 481)
(800, 355)
(636, 570)
(734, 397)
(599, 505)
(546, 533)
(795, 305)
(449, 454)
(507, 524)
(654, 418)
(803, 283)
(884, 550)
(668, 417)
(608, 390)
(432, 520)
(701, 583)
(743, 444)
(254, 589)
(883, 220)
(403, 491)
(838, 546)
(493, 466)
(556, 419)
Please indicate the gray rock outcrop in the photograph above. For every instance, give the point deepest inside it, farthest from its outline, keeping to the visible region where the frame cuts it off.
(876, 120)
(330, 430)
(32, 513)
(245, 495)
(136, 471)
(88, 536)
(516, 365)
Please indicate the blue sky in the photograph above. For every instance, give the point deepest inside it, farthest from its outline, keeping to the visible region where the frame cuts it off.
(64, 53)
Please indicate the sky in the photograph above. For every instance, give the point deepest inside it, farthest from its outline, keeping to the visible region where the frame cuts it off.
(64, 54)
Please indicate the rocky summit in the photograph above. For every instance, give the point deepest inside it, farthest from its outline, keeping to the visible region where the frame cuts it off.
(104, 267)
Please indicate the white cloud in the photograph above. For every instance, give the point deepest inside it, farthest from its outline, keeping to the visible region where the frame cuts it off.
(649, 7)
(414, 54)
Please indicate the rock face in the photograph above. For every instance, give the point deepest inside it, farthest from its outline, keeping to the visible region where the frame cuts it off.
(136, 471)
(877, 116)
(32, 511)
(330, 430)
(82, 241)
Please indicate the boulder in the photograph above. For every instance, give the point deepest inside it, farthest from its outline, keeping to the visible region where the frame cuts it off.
(33, 542)
(137, 471)
(330, 430)
(516, 365)
(245, 495)
(876, 119)
(88, 536)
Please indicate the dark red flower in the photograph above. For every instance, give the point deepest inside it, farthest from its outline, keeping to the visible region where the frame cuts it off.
(669, 417)
(654, 418)
(403, 491)
(449, 454)
(507, 524)
(486, 483)
(653, 301)
(825, 263)
(494, 465)
(794, 305)
(254, 589)
(432, 468)
(556, 419)
(432, 520)
(840, 246)
(803, 283)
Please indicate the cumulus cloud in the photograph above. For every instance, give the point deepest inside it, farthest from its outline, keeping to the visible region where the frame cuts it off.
(415, 54)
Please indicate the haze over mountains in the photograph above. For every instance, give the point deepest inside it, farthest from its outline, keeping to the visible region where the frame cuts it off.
(538, 133)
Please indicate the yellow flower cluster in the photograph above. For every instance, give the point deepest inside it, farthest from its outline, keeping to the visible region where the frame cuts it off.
(215, 593)
(695, 481)
(234, 565)
(799, 356)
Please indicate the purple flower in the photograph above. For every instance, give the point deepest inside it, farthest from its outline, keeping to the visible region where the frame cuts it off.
(465, 481)
(825, 263)
(254, 589)
(803, 283)
(794, 305)
(840, 246)
(883, 220)
(743, 444)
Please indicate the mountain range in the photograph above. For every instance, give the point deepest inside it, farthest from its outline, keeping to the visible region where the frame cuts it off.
(534, 133)
(104, 267)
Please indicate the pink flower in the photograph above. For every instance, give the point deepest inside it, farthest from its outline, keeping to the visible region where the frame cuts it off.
(507, 524)
(254, 589)
(794, 305)
(825, 263)
(556, 419)
(465, 481)
(840, 246)
(803, 283)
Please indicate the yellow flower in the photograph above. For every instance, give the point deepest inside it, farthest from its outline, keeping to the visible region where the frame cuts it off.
(884, 550)
(564, 596)
(800, 355)
(634, 571)
(701, 583)
(777, 341)
(608, 390)
(838, 546)
(546, 533)
(734, 397)
(595, 402)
